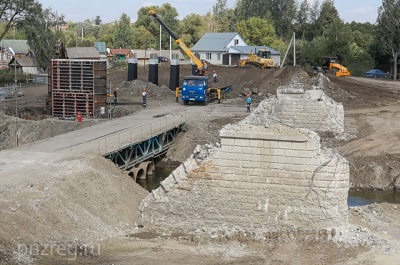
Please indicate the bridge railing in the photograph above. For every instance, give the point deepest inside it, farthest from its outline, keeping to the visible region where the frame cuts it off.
(140, 133)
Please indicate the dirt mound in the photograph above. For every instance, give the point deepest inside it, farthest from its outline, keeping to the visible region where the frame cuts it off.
(16, 131)
(79, 201)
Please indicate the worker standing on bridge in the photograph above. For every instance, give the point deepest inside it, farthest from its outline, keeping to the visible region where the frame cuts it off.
(248, 103)
(144, 96)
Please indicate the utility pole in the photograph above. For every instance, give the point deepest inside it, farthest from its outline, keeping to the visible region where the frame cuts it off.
(160, 40)
(16, 101)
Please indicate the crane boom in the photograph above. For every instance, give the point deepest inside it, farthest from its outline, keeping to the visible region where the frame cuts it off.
(178, 41)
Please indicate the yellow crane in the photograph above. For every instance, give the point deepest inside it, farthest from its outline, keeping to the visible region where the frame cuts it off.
(181, 44)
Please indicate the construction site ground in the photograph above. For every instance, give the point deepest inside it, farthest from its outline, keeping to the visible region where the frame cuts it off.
(104, 200)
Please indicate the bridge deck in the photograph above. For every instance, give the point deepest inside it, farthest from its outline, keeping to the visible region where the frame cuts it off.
(98, 139)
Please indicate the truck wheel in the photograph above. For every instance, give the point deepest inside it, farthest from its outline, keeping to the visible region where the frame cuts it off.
(186, 102)
(207, 100)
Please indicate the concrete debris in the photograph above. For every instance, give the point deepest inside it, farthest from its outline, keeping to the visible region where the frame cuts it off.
(201, 152)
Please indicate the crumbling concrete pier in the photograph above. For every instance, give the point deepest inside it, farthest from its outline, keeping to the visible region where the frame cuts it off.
(266, 177)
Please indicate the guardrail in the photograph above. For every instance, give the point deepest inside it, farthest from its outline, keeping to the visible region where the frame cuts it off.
(127, 137)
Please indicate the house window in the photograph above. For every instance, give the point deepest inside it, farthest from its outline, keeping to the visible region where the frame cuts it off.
(218, 56)
(208, 55)
(236, 41)
(197, 55)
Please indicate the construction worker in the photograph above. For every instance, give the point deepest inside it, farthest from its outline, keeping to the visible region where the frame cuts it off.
(144, 96)
(205, 67)
(215, 76)
(248, 103)
(115, 96)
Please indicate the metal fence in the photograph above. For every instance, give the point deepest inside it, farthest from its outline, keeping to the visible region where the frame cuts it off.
(140, 133)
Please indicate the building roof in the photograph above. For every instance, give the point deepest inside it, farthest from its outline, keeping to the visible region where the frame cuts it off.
(18, 46)
(120, 51)
(214, 41)
(82, 53)
(22, 61)
(25, 61)
(248, 49)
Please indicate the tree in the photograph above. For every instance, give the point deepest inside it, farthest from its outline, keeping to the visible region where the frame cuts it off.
(257, 31)
(388, 23)
(147, 22)
(123, 32)
(246, 9)
(327, 15)
(142, 38)
(283, 13)
(303, 19)
(191, 29)
(221, 16)
(15, 12)
(97, 20)
(169, 15)
(41, 39)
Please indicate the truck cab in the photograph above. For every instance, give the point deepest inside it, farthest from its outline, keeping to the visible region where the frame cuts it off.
(195, 88)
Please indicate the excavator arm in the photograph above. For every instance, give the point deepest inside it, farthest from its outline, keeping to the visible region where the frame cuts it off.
(178, 41)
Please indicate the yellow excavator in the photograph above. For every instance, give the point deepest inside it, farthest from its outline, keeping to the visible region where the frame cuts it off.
(260, 58)
(201, 69)
(330, 65)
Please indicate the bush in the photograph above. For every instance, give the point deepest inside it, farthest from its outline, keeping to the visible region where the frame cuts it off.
(7, 77)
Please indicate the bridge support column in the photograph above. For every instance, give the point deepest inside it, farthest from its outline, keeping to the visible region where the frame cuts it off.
(174, 75)
(153, 71)
(132, 69)
(142, 170)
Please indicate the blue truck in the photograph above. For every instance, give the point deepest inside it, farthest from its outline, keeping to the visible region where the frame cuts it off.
(197, 89)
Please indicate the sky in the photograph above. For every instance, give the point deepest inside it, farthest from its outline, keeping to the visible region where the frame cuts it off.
(111, 10)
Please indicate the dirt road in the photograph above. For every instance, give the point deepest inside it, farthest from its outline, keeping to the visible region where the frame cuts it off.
(82, 205)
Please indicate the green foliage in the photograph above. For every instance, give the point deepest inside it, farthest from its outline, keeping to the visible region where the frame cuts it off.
(7, 76)
(169, 15)
(14, 13)
(256, 31)
(41, 39)
(246, 9)
(191, 29)
(359, 60)
(309, 53)
(123, 32)
(327, 15)
(388, 25)
(142, 38)
(116, 64)
(222, 16)
(97, 20)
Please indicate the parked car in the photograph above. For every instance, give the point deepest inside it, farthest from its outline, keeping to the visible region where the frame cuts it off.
(162, 59)
(376, 73)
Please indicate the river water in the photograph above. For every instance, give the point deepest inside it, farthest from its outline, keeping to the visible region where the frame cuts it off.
(356, 197)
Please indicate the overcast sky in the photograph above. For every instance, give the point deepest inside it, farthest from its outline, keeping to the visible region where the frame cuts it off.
(111, 10)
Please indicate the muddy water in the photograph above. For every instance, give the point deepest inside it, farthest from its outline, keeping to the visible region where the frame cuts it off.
(153, 182)
(356, 197)
(364, 197)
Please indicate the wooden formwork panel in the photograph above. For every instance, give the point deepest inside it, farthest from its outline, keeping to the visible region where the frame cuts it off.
(77, 86)
(66, 104)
